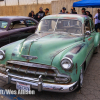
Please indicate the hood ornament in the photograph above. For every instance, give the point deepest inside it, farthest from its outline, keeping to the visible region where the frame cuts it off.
(28, 57)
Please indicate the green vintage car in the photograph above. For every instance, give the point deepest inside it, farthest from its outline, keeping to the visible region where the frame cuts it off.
(54, 58)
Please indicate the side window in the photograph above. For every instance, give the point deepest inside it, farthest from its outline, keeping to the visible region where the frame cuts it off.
(31, 23)
(87, 25)
(17, 24)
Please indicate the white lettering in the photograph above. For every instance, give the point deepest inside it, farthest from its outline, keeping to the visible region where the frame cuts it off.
(11, 92)
(15, 92)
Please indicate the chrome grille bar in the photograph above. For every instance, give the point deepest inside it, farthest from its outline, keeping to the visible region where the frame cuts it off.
(38, 66)
(31, 72)
(32, 65)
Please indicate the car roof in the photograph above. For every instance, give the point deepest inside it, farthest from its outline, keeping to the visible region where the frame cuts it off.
(7, 18)
(67, 16)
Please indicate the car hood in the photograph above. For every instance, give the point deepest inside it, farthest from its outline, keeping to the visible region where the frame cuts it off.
(44, 47)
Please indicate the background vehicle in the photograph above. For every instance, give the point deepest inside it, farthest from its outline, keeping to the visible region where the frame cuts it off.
(13, 28)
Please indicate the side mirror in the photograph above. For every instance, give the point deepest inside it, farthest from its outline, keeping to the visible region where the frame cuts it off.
(87, 34)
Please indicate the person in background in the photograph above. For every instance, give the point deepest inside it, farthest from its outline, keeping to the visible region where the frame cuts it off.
(63, 11)
(73, 11)
(67, 12)
(88, 14)
(97, 21)
(60, 11)
(47, 12)
(40, 14)
(83, 11)
(31, 14)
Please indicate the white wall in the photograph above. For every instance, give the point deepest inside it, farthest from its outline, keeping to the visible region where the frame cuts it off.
(24, 2)
(45, 1)
(2, 3)
(11, 2)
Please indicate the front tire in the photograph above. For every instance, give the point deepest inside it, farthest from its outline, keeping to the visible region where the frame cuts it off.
(80, 82)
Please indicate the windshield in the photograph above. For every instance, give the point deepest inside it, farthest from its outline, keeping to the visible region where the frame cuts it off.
(47, 25)
(61, 25)
(3, 24)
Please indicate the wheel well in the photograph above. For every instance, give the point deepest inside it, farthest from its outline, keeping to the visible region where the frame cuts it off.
(84, 66)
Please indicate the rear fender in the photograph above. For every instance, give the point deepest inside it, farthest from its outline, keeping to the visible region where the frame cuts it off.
(97, 39)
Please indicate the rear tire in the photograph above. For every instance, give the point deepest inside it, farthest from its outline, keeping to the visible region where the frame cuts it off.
(96, 50)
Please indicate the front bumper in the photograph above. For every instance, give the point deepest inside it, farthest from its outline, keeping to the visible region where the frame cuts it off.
(38, 83)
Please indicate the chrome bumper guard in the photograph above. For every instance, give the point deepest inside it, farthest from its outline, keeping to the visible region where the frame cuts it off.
(37, 83)
(4, 77)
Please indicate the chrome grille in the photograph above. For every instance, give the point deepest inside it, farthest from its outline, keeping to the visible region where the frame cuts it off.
(31, 69)
(34, 70)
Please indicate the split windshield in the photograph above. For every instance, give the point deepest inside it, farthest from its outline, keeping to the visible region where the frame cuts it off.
(61, 25)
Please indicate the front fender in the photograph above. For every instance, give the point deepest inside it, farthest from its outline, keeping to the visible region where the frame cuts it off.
(8, 49)
(97, 39)
(77, 58)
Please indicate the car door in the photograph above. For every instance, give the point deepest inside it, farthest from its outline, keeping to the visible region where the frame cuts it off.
(89, 39)
(4, 36)
(18, 30)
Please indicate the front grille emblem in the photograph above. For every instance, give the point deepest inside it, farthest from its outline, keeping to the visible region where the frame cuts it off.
(28, 57)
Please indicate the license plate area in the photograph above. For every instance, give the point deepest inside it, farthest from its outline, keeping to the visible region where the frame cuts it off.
(22, 86)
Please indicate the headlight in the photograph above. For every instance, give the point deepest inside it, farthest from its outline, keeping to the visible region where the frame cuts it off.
(2, 54)
(66, 63)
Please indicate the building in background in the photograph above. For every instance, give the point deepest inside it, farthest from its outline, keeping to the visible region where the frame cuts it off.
(23, 2)
(23, 7)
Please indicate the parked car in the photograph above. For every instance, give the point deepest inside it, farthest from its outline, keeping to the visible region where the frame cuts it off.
(54, 58)
(13, 28)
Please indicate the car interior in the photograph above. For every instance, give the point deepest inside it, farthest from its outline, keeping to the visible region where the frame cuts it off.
(87, 25)
(69, 26)
(17, 24)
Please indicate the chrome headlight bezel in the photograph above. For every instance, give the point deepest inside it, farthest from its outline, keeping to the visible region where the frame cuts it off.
(2, 53)
(69, 61)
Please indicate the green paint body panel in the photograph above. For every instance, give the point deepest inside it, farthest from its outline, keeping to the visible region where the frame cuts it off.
(51, 48)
